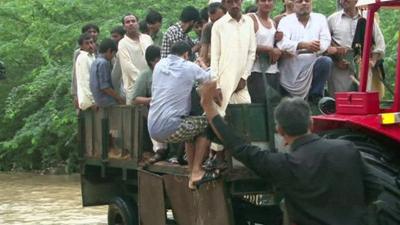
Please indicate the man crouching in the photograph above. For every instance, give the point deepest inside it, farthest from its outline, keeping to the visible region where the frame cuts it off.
(169, 116)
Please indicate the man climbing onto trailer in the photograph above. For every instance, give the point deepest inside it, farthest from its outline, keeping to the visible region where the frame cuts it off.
(169, 120)
(323, 181)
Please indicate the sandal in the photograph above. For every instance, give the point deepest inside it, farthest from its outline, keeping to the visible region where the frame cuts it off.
(215, 164)
(207, 177)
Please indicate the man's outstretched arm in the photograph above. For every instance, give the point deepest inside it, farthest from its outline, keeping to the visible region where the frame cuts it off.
(263, 162)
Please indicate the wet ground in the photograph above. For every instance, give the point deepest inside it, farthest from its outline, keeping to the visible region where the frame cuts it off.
(32, 199)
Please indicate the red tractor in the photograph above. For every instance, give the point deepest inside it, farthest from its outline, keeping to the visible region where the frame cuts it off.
(373, 126)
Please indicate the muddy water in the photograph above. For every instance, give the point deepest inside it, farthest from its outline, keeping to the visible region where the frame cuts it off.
(31, 199)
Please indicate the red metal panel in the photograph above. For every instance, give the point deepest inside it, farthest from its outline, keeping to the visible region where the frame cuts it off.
(357, 103)
(368, 122)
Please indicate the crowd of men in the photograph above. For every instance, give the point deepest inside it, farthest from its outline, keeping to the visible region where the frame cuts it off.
(299, 53)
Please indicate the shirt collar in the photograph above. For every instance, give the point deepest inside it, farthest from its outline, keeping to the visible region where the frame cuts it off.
(344, 14)
(174, 57)
(178, 24)
(303, 140)
(230, 18)
(85, 52)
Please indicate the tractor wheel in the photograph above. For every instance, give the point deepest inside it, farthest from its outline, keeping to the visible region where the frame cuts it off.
(122, 211)
(384, 159)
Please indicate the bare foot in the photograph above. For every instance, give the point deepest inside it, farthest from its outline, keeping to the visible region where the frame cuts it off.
(194, 177)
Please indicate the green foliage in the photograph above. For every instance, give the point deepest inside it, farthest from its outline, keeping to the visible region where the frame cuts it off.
(37, 118)
(38, 121)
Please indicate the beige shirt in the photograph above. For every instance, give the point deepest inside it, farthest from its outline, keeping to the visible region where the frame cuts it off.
(83, 63)
(132, 60)
(233, 50)
(343, 28)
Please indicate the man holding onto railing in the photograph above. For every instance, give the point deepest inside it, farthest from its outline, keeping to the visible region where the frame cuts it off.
(169, 118)
(323, 181)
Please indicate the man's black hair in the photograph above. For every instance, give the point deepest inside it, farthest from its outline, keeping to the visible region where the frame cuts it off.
(293, 116)
(128, 14)
(251, 9)
(108, 44)
(143, 28)
(153, 53)
(90, 26)
(180, 48)
(213, 7)
(83, 37)
(190, 13)
(204, 14)
(119, 30)
(153, 17)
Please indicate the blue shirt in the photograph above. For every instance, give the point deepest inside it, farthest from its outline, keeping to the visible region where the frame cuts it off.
(173, 80)
(100, 79)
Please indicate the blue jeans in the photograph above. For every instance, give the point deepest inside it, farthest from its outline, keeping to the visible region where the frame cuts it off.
(321, 72)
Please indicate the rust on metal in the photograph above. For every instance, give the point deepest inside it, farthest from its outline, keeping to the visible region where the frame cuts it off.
(210, 204)
(152, 209)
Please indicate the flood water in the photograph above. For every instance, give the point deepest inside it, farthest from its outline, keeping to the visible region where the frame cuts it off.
(31, 199)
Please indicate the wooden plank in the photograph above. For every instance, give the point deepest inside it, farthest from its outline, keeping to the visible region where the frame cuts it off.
(208, 205)
(88, 132)
(151, 199)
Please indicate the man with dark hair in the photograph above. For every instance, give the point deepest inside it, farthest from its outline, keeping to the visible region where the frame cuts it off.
(100, 76)
(117, 33)
(154, 22)
(169, 120)
(143, 28)
(178, 32)
(323, 181)
(306, 36)
(83, 64)
(142, 96)
(131, 51)
(215, 11)
(93, 30)
(233, 51)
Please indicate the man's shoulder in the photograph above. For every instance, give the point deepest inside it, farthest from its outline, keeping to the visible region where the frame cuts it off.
(317, 16)
(221, 21)
(146, 37)
(335, 15)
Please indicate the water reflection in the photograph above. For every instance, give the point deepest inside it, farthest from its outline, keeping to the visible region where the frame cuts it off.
(31, 199)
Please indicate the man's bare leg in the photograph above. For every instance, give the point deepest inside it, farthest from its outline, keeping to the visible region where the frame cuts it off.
(189, 149)
(202, 146)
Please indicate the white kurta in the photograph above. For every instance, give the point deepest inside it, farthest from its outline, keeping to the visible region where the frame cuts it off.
(233, 50)
(295, 32)
(131, 55)
(82, 68)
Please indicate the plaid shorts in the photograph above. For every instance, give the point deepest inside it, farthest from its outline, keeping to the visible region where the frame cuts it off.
(189, 128)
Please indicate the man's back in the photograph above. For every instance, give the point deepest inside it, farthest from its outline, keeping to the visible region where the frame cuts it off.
(323, 178)
(173, 80)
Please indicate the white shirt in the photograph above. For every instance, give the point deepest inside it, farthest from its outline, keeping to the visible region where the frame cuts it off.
(295, 32)
(131, 56)
(265, 37)
(83, 63)
(343, 28)
(233, 47)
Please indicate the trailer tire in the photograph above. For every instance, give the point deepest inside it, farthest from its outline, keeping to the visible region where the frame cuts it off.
(377, 155)
(122, 211)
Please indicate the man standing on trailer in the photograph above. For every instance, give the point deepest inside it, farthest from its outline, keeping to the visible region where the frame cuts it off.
(323, 181)
(233, 50)
(131, 51)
